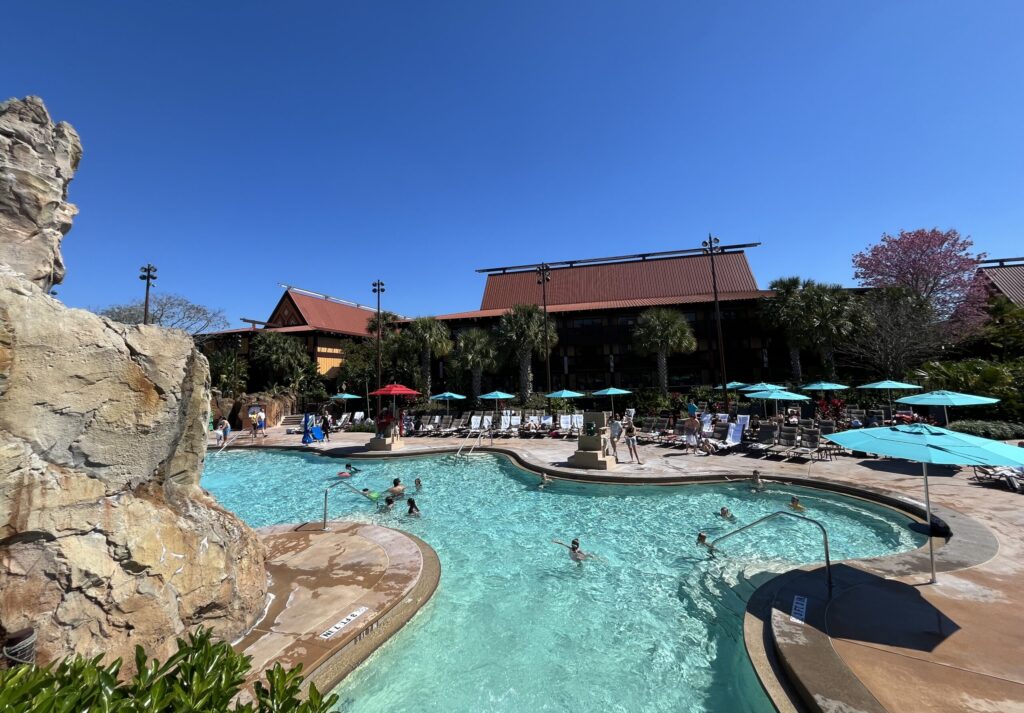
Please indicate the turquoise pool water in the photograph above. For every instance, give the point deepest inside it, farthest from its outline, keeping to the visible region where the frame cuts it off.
(515, 626)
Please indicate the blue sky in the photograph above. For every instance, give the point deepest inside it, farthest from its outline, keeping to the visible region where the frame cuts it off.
(325, 145)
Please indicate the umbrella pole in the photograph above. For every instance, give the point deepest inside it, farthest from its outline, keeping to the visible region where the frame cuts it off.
(928, 518)
(613, 405)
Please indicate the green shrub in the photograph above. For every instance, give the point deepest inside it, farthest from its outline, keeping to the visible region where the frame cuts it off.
(363, 427)
(202, 676)
(999, 430)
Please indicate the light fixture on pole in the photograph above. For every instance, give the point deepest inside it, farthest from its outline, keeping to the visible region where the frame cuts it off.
(148, 273)
(378, 289)
(543, 278)
(710, 247)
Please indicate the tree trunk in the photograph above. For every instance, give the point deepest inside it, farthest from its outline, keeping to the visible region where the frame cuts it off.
(828, 357)
(478, 376)
(794, 363)
(663, 373)
(425, 371)
(525, 377)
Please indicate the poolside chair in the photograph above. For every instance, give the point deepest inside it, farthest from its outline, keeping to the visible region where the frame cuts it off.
(705, 423)
(787, 441)
(474, 426)
(722, 417)
(809, 446)
(806, 423)
(765, 440)
(743, 420)
(547, 425)
(733, 439)
(514, 423)
(653, 432)
(577, 424)
(565, 425)
(343, 421)
(358, 417)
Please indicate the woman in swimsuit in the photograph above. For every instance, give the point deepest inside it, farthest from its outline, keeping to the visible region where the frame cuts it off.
(629, 431)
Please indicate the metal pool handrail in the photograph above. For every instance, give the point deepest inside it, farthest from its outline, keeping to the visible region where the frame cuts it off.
(824, 538)
(326, 491)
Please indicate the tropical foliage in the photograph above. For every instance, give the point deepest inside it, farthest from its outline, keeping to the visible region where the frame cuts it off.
(785, 311)
(811, 315)
(521, 332)
(999, 430)
(228, 371)
(277, 359)
(202, 675)
(662, 331)
(475, 352)
(1001, 380)
(428, 337)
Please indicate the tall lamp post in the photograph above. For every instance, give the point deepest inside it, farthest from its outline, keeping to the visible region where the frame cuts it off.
(148, 273)
(543, 278)
(378, 289)
(710, 247)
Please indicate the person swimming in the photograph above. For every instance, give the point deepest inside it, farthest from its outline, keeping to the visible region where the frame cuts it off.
(575, 553)
(352, 469)
(795, 504)
(757, 482)
(389, 504)
(726, 514)
(397, 490)
(419, 484)
(414, 511)
(545, 481)
(702, 541)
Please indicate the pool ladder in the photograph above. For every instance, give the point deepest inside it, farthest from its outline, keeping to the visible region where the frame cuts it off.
(824, 538)
(479, 440)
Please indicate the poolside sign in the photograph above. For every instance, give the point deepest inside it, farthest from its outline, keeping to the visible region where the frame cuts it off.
(343, 623)
(799, 610)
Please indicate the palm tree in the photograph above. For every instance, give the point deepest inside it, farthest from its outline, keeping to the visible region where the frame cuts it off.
(475, 352)
(429, 337)
(521, 333)
(829, 310)
(662, 331)
(787, 312)
(388, 324)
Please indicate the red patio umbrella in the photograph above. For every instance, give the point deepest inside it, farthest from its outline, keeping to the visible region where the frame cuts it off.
(394, 390)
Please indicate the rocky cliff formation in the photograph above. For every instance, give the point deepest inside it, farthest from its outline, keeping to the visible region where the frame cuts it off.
(106, 538)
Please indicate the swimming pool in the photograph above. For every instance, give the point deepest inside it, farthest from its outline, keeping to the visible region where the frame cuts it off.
(654, 625)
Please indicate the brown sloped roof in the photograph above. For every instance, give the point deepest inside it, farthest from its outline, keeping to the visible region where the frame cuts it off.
(673, 280)
(1009, 280)
(616, 304)
(320, 313)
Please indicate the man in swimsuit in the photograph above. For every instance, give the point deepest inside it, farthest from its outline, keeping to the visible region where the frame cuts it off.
(397, 490)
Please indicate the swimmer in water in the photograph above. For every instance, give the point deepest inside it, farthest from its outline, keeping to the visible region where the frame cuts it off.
(794, 503)
(702, 541)
(413, 510)
(726, 514)
(389, 504)
(397, 490)
(757, 482)
(351, 468)
(575, 553)
(545, 481)
(371, 495)
(419, 485)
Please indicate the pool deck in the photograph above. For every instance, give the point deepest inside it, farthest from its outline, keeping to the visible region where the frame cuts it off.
(336, 595)
(887, 640)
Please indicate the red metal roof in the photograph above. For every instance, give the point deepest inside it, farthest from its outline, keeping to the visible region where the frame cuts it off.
(322, 314)
(672, 280)
(1008, 279)
(616, 304)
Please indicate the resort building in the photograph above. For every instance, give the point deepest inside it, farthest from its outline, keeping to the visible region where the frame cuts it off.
(1005, 276)
(594, 304)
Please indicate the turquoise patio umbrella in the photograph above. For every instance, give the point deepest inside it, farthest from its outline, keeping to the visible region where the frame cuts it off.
(446, 397)
(778, 395)
(946, 399)
(612, 392)
(343, 396)
(926, 444)
(761, 386)
(890, 386)
(564, 394)
(497, 396)
(823, 386)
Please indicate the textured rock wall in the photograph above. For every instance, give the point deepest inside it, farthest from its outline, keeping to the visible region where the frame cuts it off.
(37, 161)
(235, 410)
(106, 538)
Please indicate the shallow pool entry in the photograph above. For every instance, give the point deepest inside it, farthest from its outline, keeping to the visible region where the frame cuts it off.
(651, 624)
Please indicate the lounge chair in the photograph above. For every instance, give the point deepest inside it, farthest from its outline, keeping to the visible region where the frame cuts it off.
(743, 420)
(514, 423)
(787, 441)
(765, 439)
(577, 424)
(474, 426)
(810, 446)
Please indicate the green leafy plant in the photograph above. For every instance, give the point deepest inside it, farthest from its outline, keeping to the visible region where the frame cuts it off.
(203, 675)
(999, 430)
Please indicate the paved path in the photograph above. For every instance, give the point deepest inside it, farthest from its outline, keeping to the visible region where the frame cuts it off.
(972, 659)
(331, 590)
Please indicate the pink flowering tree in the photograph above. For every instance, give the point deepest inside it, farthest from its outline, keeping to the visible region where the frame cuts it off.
(935, 266)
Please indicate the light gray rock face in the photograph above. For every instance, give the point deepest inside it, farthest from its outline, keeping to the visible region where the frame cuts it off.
(106, 538)
(37, 161)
